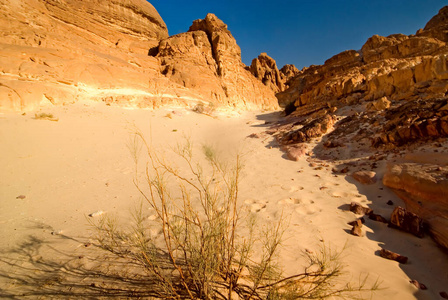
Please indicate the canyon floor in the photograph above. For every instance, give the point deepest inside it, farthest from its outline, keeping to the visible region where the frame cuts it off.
(56, 172)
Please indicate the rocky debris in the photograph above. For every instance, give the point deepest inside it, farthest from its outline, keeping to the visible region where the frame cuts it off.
(407, 221)
(365, 177)
(314, 129)
(397, 67)
(419, 285)
(21, 197)
(423, 187)
(359, 209)
(412, 121)
(393, 256)
(390, 202)
(295, 152)
(356, 228)
(379, 105)
(352, 223)
(265, 69)
(207, 61)
(378, 218)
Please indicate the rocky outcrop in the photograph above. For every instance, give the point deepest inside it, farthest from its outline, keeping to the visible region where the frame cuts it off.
(288, 72)
(207, 61)
(313, 129)
(265, 69)
(398, 67)
(423, 187)
(119, 52)
(59, 51)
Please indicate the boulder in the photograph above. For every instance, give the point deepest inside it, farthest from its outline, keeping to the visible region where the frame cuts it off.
(359, 209)
(407, 221)
(356, 228)
(379, 105)
(393, 256)
(314, 129)
(365, 177)
(423, 187)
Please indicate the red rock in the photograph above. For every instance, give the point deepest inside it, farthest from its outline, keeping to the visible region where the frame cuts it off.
(407, 221)
(423, 187)
(295, 152)
(393, 256)
(365, 177)
(359, 209)
(419, 285)
(377, 218)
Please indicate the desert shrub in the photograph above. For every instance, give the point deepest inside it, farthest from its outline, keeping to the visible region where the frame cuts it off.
(204, 244)
(45, 116)
(201, 108)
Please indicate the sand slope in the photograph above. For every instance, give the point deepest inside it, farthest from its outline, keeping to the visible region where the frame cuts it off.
(80, 164)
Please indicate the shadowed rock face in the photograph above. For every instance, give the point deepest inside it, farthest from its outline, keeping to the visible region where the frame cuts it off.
(423, 187)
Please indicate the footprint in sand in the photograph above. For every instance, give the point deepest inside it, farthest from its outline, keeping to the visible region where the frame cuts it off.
(291, 201)
(254, 205)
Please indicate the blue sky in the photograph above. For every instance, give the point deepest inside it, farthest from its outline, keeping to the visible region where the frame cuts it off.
(302, 32)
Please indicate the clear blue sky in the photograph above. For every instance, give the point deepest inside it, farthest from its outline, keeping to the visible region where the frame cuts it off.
(302, 32)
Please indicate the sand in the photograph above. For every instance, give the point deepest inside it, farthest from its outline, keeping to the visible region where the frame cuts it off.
(54, 174)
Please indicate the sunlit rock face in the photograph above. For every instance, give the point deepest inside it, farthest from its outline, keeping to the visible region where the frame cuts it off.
(398, 67)
(60, 51)
(207, 60)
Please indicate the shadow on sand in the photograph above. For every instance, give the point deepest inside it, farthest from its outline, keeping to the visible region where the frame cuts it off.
(35, 268)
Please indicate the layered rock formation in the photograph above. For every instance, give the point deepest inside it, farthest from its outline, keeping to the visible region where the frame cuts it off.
(385, 99)
(424, 188)
(398, 67)
(60, 51)
(265, 69)
(207, 59)
(65, 50)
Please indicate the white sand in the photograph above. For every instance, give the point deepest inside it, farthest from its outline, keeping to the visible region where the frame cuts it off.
(81, 165)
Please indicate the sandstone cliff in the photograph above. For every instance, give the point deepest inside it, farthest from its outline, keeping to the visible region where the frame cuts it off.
(398, 66)
(65, 50)
(207, 60)
(387, 99)
(61, 51)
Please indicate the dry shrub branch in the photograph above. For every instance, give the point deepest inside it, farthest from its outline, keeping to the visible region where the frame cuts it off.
(204, 247)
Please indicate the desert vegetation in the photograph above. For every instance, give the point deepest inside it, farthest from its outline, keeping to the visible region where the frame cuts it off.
(45, 116)
(200, 244)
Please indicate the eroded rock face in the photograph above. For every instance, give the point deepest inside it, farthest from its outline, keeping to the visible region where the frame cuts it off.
(288, 72)
(424, 188)
(397, 67)
(59, 51)
(265, 69)
(207, 60)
